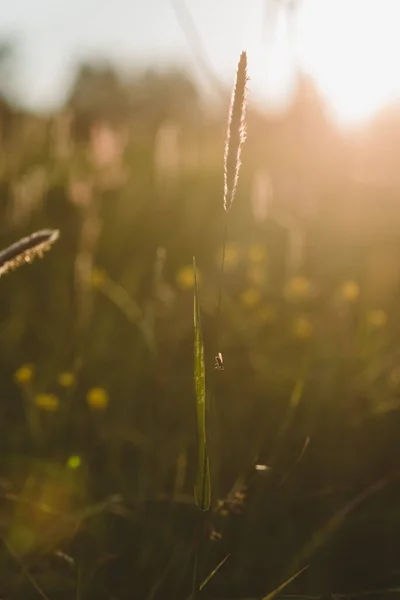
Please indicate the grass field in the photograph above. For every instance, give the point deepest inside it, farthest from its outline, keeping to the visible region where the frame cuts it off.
(200, 380)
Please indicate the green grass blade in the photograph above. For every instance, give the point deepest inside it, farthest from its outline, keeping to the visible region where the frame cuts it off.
(320, 537)
(214, 571)
(202, 486)
(281, 587)
(210, 575)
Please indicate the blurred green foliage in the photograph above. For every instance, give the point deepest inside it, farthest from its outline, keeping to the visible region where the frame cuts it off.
(97, 411)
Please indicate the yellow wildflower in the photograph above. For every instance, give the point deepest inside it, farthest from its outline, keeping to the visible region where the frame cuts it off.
(297, 288)
(99, 276)
(250, 297)
(74, 462)
(24, 374)
(48, 402)
(66, 379)
(302, 327)
(350, 291)
(377, 317)
(97, 398)
(257, 253)
(185, 278)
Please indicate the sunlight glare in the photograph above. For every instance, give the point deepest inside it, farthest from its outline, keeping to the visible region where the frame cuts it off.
(279, 64)
(352, 49)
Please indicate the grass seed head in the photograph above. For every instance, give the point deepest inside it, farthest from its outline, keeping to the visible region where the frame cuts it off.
(236, 134)
(27, 249)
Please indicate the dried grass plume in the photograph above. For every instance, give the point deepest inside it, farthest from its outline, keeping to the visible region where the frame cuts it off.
(236, 133)
(27, 249)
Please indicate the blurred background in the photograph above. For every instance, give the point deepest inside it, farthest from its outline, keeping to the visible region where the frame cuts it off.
(113, 119)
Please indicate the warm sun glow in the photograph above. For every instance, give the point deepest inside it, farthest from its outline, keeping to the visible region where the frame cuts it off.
(352, 49)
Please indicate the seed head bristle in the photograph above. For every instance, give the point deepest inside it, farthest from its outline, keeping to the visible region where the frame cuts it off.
(27, 249)
(236, 133)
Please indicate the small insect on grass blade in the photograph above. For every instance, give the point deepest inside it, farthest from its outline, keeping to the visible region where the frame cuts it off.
(202, 486)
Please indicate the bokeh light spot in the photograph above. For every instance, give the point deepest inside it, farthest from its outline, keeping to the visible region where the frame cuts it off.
(74, 462)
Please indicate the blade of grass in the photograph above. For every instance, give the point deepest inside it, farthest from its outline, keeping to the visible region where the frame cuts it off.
(282, 586)
(23, 569)
(202, 488)
(202, 485)
(210, 575)
(294, 401)
(288, 473)
(324, 532)
(214, 571)
(160, 580)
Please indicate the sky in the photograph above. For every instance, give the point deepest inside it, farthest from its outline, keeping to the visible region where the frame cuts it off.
(349, 46)
(52, 35)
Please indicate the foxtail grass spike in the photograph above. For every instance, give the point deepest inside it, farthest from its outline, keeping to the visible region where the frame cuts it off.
(202, 485)
(27, 249)
(236, 133)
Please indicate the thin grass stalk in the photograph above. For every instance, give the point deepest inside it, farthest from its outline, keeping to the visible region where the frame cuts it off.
(202, 484)
(235, 137)
(320, 536)
(197, 554)
(221, 279)
(234, 140)
(283, 585)
(208, 578)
